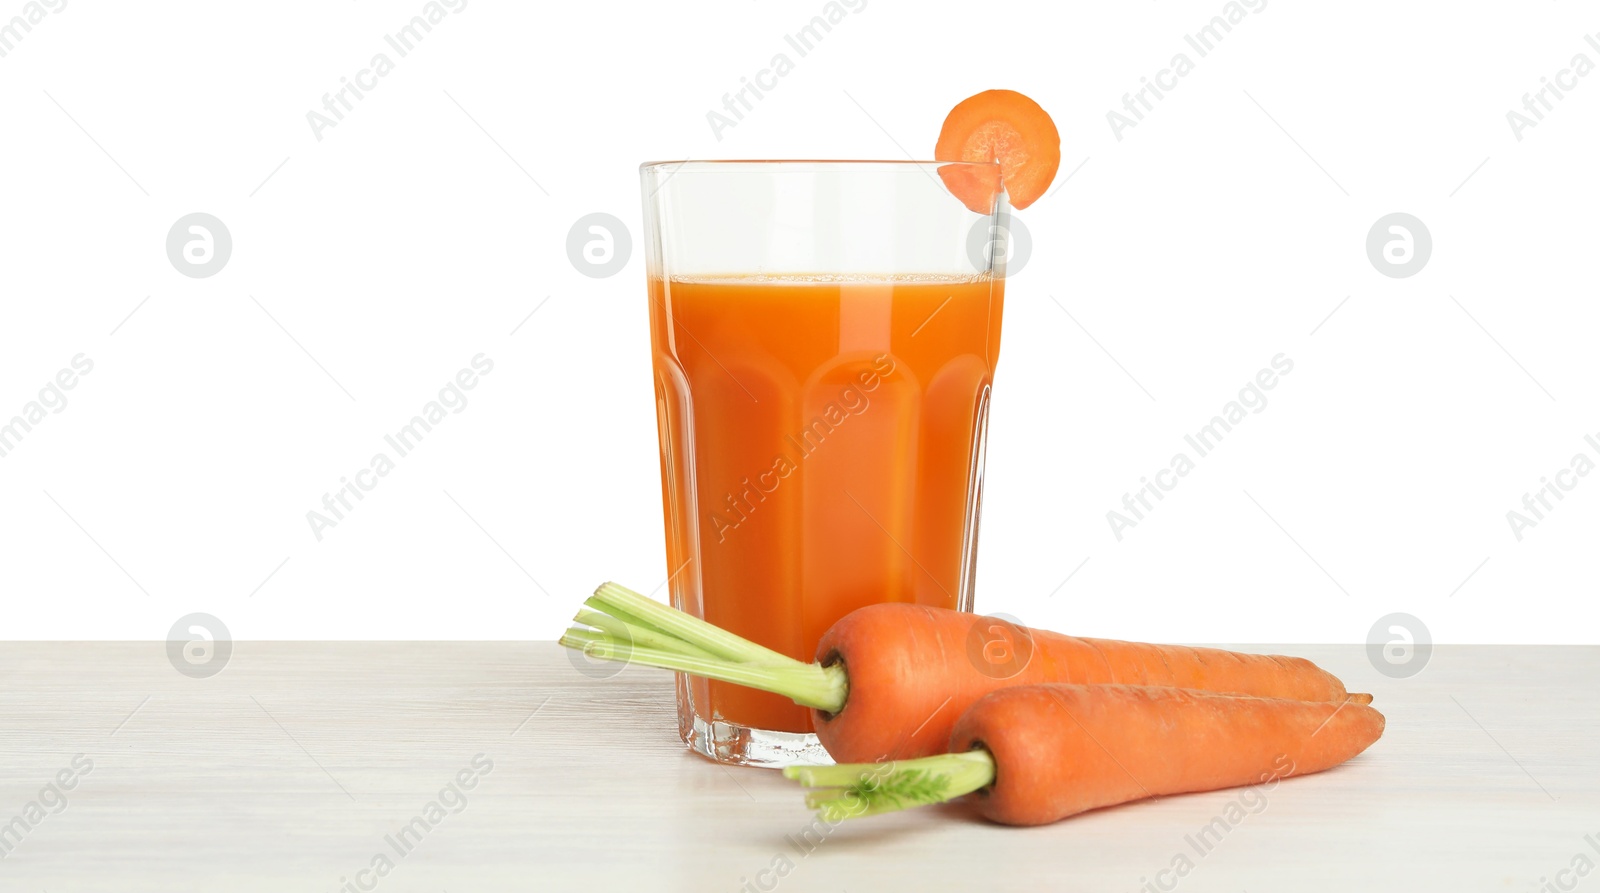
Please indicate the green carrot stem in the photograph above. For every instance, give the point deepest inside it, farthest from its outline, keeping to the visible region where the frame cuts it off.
(851, 790)
(631, 628)
(617, 612)
(805, 684)
(614, 599)
(641, 636)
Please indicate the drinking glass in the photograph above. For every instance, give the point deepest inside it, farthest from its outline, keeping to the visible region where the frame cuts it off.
(825, 336)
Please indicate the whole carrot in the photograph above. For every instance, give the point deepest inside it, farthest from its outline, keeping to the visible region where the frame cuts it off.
(913, 669)
(890, 680)
(1040, 753)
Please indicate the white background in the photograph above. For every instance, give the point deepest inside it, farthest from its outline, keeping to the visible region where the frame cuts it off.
(425, 227)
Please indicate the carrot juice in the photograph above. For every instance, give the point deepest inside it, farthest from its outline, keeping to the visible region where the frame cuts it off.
(821, 450)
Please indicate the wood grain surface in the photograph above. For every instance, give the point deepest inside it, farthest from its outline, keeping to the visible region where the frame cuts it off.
(293, 768)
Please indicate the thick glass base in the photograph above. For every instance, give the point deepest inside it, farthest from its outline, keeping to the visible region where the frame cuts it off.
(728, 742)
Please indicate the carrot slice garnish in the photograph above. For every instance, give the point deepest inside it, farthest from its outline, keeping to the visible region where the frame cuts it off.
(1002, 126)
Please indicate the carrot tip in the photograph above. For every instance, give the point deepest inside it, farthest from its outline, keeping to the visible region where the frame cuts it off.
(1360, 697)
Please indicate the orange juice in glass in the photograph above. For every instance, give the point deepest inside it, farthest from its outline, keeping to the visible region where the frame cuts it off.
(825, 337)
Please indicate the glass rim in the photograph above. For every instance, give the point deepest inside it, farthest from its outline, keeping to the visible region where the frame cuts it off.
(805, 164)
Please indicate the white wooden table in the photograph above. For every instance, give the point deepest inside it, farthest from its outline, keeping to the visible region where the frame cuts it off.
(287, 771)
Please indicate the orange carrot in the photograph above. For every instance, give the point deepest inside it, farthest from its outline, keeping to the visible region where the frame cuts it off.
(913, 669)
(1040, 753)
(890, 680)
(1003, 126)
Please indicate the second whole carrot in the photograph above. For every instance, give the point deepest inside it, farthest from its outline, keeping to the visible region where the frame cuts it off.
(1040, 753)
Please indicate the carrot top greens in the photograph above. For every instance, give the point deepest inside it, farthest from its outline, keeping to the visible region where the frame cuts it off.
(622, 625)
(849, 790)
